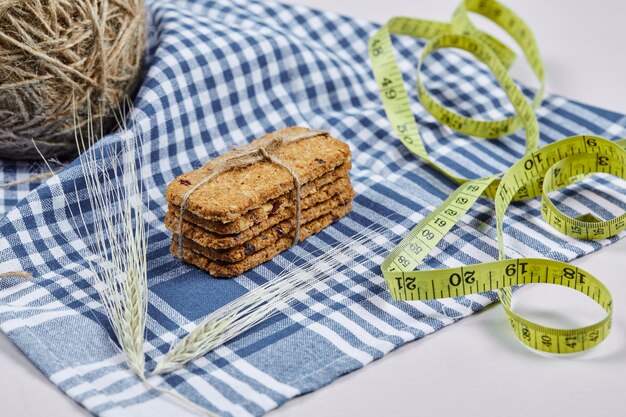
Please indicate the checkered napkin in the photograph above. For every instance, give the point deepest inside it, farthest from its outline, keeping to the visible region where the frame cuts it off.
(218, 74)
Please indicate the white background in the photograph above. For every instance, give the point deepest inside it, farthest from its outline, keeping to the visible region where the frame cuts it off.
(475, 367)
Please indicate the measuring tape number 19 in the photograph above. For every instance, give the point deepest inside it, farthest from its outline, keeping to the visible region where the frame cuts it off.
(538, 173)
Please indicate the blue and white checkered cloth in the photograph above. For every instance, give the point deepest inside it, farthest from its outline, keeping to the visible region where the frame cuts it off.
(220, 73)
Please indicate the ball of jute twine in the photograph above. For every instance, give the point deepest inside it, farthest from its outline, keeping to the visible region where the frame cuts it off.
(65, 65)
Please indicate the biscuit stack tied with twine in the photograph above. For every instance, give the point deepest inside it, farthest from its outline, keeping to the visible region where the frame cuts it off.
(245, 207)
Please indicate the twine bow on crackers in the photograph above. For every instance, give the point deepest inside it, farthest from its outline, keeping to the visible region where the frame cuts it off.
(246, 155)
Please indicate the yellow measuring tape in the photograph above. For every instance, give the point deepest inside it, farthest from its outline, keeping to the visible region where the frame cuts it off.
(539, 172)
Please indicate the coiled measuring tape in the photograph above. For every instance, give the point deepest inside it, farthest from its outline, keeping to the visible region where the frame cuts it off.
(539, 172)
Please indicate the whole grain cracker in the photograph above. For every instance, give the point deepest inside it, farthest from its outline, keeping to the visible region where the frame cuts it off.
(233, 193)
(336, 178)
(261, 241)
(217, 241)
(229, 270)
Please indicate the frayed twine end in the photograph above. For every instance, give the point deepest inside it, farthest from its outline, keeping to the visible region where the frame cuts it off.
(16, 274)
(30, 179)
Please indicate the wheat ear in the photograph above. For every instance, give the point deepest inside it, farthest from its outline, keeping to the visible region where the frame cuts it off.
(263, 302)
(119, 240)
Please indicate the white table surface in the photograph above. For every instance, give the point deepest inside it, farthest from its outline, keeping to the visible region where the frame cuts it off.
(475, 367)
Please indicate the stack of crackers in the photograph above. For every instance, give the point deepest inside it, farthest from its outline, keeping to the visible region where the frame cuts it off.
(244, 217)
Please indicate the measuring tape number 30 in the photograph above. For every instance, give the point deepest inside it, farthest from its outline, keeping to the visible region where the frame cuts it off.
(538, 173)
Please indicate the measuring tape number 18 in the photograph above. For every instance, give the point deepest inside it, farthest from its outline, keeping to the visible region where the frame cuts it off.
(538, 173)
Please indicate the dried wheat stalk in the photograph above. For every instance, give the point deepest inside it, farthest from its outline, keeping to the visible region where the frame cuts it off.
(263, 302)
(119, 241)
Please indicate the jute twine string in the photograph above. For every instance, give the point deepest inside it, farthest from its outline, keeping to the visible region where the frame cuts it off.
(30, 179)
(246, 155)
(65, 66)
(16, 274)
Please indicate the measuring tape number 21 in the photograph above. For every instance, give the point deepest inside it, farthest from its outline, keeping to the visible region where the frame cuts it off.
(538, 173)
